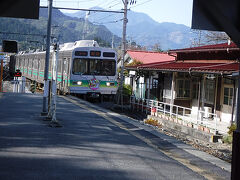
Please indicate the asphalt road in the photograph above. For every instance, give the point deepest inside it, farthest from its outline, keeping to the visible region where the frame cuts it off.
(90, 145)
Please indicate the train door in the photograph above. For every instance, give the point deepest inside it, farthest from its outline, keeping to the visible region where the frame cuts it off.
(41, 69)
(59, 73)
(31, 67)
(35, 70)
(24, 67)
(64, 73)
(27, 67)
(38, 68)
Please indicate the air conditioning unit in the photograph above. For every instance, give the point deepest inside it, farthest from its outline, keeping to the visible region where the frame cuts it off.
(207, 112)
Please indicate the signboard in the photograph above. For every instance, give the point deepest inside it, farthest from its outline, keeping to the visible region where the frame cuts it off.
(206, 14)
(17, 73)
(217, 15)
(20, 9)
(9, 46)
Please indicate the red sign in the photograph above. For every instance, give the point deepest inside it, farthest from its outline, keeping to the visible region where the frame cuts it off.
(18, 74)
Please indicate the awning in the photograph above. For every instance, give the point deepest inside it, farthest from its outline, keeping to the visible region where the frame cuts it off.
(215, 68)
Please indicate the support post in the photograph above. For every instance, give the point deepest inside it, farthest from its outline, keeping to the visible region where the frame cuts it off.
(1, 76)
(172, 94)
(235, 173)
(202, 99)
(123, 49)
(53, 103)
(46, 81)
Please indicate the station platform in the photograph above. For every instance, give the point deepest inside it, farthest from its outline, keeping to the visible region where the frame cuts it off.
(93, 143)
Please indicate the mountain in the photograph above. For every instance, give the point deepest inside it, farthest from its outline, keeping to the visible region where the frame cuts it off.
(32, 33)
(143, 29)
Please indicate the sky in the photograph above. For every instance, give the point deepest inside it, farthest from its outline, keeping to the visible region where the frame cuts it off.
(176, 11)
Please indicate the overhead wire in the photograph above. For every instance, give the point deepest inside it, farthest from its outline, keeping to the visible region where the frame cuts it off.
(109, 22)
(111, 5)
(140, 4)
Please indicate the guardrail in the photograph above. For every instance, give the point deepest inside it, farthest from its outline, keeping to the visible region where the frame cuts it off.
(203, 120)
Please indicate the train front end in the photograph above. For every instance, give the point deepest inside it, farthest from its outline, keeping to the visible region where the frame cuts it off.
(93, 72)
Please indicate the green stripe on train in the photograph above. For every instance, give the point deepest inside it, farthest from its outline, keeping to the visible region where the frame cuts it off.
(85, 83)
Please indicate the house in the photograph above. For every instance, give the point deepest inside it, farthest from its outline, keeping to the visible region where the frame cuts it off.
(138, 82)
(199, 79)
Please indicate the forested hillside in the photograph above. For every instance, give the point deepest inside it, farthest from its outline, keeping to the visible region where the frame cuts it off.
(32, 33)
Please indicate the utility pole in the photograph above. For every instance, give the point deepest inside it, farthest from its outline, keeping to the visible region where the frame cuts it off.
(53, 102)
(46, 81)
(85, 27)
(125, 20)
(112, 41)
(1, 75)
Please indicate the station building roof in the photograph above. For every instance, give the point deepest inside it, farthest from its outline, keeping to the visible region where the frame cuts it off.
(169, 62)
(215, 68)
(212, 47)
(147, 57)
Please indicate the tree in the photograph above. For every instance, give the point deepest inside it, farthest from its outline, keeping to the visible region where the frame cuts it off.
(202, 37)
(216, 37)
(157, 47)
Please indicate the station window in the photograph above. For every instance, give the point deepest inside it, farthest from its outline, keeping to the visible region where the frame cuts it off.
(183, 88)
(228, 96)
(210, 91)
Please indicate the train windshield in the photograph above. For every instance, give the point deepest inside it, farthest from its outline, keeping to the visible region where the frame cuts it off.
(94, 67)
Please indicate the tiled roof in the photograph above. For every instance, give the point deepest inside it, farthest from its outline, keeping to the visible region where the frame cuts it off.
(212, 47)
(225, 68)
(147, 57)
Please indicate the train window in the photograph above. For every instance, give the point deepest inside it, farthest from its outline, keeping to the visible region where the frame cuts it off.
(65, 65)
(80, 66)
(108, 67)
(43, 64)
(95, 53)
(59, 66)
(108, 54)
(35, 64)
(81, 53)
(95, 67)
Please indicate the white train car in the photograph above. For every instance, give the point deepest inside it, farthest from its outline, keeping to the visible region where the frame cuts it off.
(83, 68)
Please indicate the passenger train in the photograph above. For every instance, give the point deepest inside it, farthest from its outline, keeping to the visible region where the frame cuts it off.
(83, 68)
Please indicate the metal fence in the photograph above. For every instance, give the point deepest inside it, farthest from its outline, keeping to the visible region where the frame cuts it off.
(179, 114)
(17, 85)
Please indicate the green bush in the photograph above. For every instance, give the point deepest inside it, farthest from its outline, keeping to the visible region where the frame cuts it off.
(227, 139)
(232, 128)
(127, 89)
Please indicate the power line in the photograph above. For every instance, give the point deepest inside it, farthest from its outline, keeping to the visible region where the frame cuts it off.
(113, 5)
(14, 33)
(104, 4)
(94, 10)
(105, 17)
(108, 4)
(141, 3)
(82, 1)
(109, 22)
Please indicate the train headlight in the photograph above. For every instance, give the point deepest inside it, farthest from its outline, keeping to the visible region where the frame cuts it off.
(79, 83)
(110, 83)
